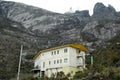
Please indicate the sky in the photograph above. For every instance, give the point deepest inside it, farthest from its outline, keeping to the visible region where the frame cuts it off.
(62, 6)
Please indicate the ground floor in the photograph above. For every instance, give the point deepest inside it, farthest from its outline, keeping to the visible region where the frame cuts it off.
(52, 72)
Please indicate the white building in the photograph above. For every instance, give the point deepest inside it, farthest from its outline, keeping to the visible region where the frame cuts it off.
(68, 58)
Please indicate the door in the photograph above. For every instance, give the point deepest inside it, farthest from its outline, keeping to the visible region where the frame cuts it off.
(42, 73)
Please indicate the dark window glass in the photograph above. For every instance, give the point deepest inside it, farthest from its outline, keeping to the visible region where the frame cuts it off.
(60, 60)
(43, 64)
(65, 60)
(54, 61)
(65, 50)
(57, 52)
(54, 52)
(57, 61)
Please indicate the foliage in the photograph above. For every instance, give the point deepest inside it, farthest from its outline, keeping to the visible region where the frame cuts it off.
(107, 61)
(79, 75)
(61, 76)
(58, 76)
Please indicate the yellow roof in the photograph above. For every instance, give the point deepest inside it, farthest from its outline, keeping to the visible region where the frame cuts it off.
(77, 46)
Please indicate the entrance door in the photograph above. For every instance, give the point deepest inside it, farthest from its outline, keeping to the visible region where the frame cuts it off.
(42, 73)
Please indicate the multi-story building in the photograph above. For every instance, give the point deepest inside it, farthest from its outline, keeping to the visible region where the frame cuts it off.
(68, 58)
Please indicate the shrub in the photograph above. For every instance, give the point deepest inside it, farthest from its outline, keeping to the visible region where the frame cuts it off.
(79, 75)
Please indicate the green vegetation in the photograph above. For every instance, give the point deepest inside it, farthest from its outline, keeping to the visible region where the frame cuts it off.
(107, 61)
(79, 75)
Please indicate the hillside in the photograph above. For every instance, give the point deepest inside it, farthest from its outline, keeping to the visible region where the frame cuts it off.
(38, 29)
(107, 61)
(11, 39)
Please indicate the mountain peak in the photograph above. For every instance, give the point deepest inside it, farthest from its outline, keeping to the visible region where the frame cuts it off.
(100, 10)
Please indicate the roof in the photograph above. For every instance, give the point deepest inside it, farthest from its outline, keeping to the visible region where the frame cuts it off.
(77, 46)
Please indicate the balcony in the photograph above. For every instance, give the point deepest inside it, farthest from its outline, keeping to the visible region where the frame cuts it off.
(78, 56)
(36, 69)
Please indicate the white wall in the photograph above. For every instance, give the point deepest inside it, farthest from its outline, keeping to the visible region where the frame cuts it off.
(74, 61)
(47, 56)
(37, 61)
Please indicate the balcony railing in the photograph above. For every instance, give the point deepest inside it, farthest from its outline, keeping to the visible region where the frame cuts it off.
(36, 69)
(78, 56)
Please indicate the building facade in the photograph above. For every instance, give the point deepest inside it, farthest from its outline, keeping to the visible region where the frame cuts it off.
(68, 59)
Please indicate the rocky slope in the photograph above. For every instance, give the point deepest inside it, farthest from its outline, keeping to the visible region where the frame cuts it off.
(38, 29)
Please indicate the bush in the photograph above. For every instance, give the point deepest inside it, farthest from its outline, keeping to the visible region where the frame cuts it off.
(79, 75)
(61, 76)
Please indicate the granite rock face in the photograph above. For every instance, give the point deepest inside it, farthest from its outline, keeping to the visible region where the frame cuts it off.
(100, 10)
(54, 28)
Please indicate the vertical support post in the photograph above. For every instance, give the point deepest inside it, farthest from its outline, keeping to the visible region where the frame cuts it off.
(84, 60)
(18, 75)
(91, 60)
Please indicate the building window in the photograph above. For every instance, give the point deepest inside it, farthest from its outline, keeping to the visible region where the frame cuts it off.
(49, 62)
(52, 53)
(65, 50)
(57, 52)
(60, 60)
(43, 64)
(57, 61)
(66, 60)
(54, 61)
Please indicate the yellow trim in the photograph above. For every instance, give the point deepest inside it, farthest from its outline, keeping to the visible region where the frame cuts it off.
(77, 46)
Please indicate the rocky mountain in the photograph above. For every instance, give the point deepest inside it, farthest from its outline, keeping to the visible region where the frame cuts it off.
(100, 10)
(38, 29)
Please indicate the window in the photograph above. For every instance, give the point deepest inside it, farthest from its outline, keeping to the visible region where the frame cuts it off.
(43, 64)
(49, 62)
(65, 60)
(57, 61)
(57, 52)
(65, 50)
(54, 61)
(60, 60)
(54, 52)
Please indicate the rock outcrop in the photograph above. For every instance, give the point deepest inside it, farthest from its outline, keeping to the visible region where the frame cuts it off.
(100, 10)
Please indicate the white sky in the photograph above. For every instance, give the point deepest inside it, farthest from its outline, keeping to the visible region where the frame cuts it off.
(62, 6)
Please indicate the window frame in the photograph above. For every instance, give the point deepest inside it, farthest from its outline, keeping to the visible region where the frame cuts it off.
(49, 62)
(65, 50)
(65, 60)
(43, 64)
